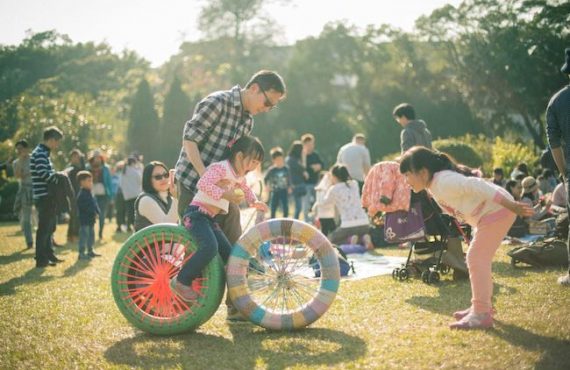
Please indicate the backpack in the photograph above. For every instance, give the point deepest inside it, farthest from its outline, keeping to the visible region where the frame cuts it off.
(345, 266)
(541, 253)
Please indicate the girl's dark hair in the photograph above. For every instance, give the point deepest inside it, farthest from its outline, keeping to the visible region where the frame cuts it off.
(419, 157)
(510, 185)
(340, 172)
(147, 176)
(296, 149)
(523, 168)
(250, 146)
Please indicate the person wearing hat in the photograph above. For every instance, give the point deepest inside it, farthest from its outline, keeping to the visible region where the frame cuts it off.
(532, 197)
(558, 131)
(102, 185)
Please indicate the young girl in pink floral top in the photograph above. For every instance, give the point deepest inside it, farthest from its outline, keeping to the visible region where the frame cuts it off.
(222, 183)
(488, 208)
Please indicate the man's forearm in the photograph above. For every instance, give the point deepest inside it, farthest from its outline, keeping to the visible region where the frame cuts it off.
(559, 159)
(193, 155)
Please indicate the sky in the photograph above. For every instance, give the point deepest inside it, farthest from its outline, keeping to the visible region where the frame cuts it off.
(155, 29)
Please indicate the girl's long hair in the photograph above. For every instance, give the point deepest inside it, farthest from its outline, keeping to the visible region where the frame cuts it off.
(419, 157)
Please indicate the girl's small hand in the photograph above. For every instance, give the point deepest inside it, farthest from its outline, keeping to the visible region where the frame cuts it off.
(234, 196)
(260, 206)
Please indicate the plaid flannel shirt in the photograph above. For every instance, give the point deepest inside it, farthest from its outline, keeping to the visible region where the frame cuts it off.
(217, 120)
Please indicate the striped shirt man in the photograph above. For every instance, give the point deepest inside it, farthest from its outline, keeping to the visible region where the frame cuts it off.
(219, 120)
(41, 170)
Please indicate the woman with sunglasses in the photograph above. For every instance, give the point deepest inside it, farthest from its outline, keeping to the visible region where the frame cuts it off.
(155, 204)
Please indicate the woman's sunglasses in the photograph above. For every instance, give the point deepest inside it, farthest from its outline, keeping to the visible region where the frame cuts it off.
(164, 175)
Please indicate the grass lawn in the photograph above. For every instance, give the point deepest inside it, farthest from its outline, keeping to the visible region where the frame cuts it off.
(64, 317)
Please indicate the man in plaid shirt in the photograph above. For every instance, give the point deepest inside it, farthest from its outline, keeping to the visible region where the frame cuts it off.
(218, 121)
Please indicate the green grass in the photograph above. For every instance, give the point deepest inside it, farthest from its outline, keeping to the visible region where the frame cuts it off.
(65, 317)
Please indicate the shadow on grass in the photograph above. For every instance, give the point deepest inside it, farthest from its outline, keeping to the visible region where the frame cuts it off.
(78, 266)
(250, 344)
(454, 296)
(33, 276)
(554, 351)
(17, 256)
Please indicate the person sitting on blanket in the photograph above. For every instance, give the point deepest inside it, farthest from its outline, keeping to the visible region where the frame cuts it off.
(344, 195)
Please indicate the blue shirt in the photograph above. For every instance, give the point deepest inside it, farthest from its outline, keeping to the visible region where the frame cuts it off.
(87, 207)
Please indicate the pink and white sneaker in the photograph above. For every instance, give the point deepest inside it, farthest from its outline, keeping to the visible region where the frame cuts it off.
(474, 321)
(185, 292)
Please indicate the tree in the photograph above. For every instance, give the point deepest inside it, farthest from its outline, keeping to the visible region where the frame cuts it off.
(177, 110)
(505, 57)
(143, 130)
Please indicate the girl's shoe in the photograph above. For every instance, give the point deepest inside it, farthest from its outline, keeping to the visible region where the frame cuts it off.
(353, 240)
(474, 321)
(458, 315)
(185, 292)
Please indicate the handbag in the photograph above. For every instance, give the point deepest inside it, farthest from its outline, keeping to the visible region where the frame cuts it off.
(404, 226)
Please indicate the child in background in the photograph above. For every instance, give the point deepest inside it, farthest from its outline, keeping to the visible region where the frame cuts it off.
(88, 210)
(489, 209)
(345, 196)
(222, 183)
(324, 213)
(277, 181)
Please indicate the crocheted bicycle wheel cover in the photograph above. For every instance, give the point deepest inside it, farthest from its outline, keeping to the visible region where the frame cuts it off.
(140, 281)
(273, 292)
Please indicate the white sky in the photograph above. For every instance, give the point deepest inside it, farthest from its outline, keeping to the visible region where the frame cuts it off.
(155, 28)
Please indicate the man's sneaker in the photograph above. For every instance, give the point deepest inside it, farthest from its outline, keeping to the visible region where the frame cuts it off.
(185, 292)
(234, 315)
(564, 280)
(474, 321)
(93, 254)
(83, 256)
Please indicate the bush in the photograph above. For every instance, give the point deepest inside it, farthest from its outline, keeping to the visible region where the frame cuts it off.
(8, 192)
(508, 155)
(461, 152)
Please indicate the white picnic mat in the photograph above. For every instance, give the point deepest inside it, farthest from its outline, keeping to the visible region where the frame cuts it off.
(366, 264)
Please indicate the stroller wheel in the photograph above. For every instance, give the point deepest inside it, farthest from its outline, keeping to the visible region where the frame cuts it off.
(444, 269)
(425, 276)
(404, 274)
(396, 273)
(433, 277)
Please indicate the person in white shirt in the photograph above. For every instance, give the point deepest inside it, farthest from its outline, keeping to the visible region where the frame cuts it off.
(155, 204)
(131, 180)
(344, 195)
(356, 157)
(489, 209)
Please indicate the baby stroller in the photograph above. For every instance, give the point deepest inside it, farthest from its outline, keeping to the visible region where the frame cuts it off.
(439, 251)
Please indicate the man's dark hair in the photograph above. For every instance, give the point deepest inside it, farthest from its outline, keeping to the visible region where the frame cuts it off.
(82, 175)
(268, 80)
(405, 110)
(498, 171)
(23, 143)
(52, 132)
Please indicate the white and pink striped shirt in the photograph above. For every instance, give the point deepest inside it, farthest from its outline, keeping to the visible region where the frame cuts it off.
(469, 199)
(219, 178)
